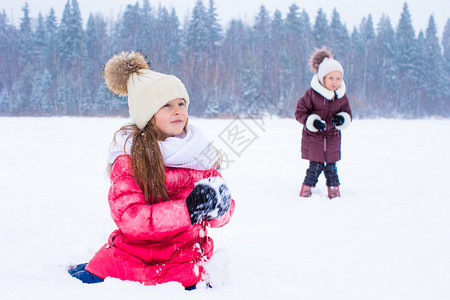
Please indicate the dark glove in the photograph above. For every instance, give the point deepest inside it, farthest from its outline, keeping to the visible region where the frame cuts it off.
(210, 199)
(319, 125)
(337, 120)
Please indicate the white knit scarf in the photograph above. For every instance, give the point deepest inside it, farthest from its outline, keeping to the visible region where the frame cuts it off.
(190, 150)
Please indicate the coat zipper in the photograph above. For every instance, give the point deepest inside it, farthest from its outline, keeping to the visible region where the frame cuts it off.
(324, 135)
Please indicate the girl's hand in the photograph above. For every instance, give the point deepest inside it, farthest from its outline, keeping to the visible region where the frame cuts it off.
(337, 120)
(210, 199)
(319, 125)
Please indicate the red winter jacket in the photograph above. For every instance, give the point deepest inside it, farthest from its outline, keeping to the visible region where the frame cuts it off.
(322, 146)
(155, 243)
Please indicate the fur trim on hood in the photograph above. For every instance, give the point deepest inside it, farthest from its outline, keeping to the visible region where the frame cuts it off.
(329, 95)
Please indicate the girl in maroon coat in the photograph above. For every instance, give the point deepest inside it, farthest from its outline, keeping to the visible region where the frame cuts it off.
(165, 190)
(324, 111)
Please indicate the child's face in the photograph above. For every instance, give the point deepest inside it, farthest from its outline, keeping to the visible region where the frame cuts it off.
(332, 80)
(171, 118)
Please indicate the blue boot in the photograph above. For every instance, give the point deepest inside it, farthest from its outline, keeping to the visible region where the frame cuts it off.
(80, 273)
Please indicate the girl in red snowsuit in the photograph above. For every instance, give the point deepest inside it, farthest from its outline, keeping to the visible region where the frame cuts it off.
(165, 191)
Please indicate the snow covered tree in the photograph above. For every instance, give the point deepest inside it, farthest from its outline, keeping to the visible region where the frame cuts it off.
(278, 57)
(41, 103)
(406, 45)
(446, 74)
(168, 40)
(148, 27)
(77, 33)
(235, 45)
(65, 46)
(9, 55)
(96, 47)
(385, 66)
(321, 29)
(433, 71)
(26, 67)
(26, 37)
(250, 86)
(215, 29)
(39, 37)
(198, 32)
(4, 102)
(368, 60)
(261, 40)
(129, 31)
(419, 96)
(339, 38)
(51, 54)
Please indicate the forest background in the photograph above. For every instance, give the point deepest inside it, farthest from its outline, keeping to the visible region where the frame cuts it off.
(51, 67)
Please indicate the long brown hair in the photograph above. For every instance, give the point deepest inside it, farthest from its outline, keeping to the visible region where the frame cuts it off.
(146, 161)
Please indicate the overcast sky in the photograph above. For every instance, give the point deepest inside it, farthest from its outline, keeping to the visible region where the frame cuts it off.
(351, 11)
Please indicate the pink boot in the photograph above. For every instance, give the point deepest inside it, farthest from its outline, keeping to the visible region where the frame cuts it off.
(333, 192)
(306, 191)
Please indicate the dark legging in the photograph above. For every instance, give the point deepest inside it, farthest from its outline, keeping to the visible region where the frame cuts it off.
(316, 168)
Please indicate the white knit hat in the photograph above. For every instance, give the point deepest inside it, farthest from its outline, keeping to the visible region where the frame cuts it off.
(329, 65)
(127, 74)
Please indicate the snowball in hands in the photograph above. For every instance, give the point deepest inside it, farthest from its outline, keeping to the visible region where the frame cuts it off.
(210, 199)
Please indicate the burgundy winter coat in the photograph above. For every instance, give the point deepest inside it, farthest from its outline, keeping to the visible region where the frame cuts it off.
(322, 146)
(155, 243)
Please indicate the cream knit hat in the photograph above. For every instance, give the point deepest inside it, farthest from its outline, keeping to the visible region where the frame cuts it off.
(322, 63)
(127, 74)
(329, 65)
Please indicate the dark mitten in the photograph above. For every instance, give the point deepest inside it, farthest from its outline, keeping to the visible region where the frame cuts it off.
(210, 199)
(337, 120)
(319, 125)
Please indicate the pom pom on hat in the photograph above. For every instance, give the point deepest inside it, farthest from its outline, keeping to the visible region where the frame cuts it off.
(317, 58)
(128, 74)
(322, 63)
(119, 69)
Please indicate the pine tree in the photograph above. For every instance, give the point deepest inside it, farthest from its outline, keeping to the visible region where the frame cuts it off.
(261, 39)
(97, 52)
(9, 55)
(78, 35)
(419, 97)
(406, 45)
(46, 101)
(250, 86)
(277, 55)
(4, 102)
(40, 38)
(65, 46)
(321, 29)
(25, 63)
(215, 29)
(129, 30)
(198, 31)
(26, 37)
(299, 45)
(41, 103)
(51, 55)
(339, 38)
(446, 74)
(433, 70)
(385, 68)
(368, 59)
(197, 42)
(235, 45)
(147, 31)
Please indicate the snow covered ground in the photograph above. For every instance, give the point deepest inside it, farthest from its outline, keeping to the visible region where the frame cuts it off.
(387, 237)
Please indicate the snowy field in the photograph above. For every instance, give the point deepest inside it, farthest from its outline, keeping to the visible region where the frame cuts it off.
(387, 237)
